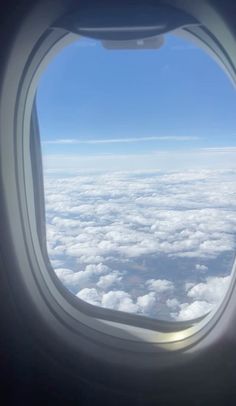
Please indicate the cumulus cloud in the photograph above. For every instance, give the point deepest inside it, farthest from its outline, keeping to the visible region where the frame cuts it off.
(200, 267)
(143, 241)
(193, 310)
(147, 303)
(172, 303)
(80, 279)
(211, 291)
(109, 280)
(205, 296)
(119, 300)
(159, 285)
(90, 295)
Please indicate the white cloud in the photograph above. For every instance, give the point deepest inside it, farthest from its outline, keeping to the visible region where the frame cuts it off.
(188, 285)
(172, 303)
(89, 259)
(211, 291)
(111, 231)
(119, 300)
(95, 141)
(149, 224)
(200, 267)
(109, 280)
(193, 310)
(147, 303)
(159, 285)
(205, 295)
(90, 296)
(81, 279)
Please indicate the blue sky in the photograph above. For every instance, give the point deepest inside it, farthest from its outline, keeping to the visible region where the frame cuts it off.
(92, 101)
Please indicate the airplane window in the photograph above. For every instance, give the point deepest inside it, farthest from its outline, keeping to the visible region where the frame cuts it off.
(139, 158)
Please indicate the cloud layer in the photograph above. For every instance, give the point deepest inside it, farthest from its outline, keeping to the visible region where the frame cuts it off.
(159, 244)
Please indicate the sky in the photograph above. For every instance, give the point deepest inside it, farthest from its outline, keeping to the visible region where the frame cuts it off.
(117, 106)
(139, 158)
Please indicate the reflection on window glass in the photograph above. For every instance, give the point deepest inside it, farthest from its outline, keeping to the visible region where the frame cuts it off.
(139, 160)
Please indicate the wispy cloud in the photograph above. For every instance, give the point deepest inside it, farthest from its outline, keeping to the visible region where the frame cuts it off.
(219, 149)
(72, 141)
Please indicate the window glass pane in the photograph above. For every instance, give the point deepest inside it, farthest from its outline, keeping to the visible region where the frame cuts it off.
(139, 158)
